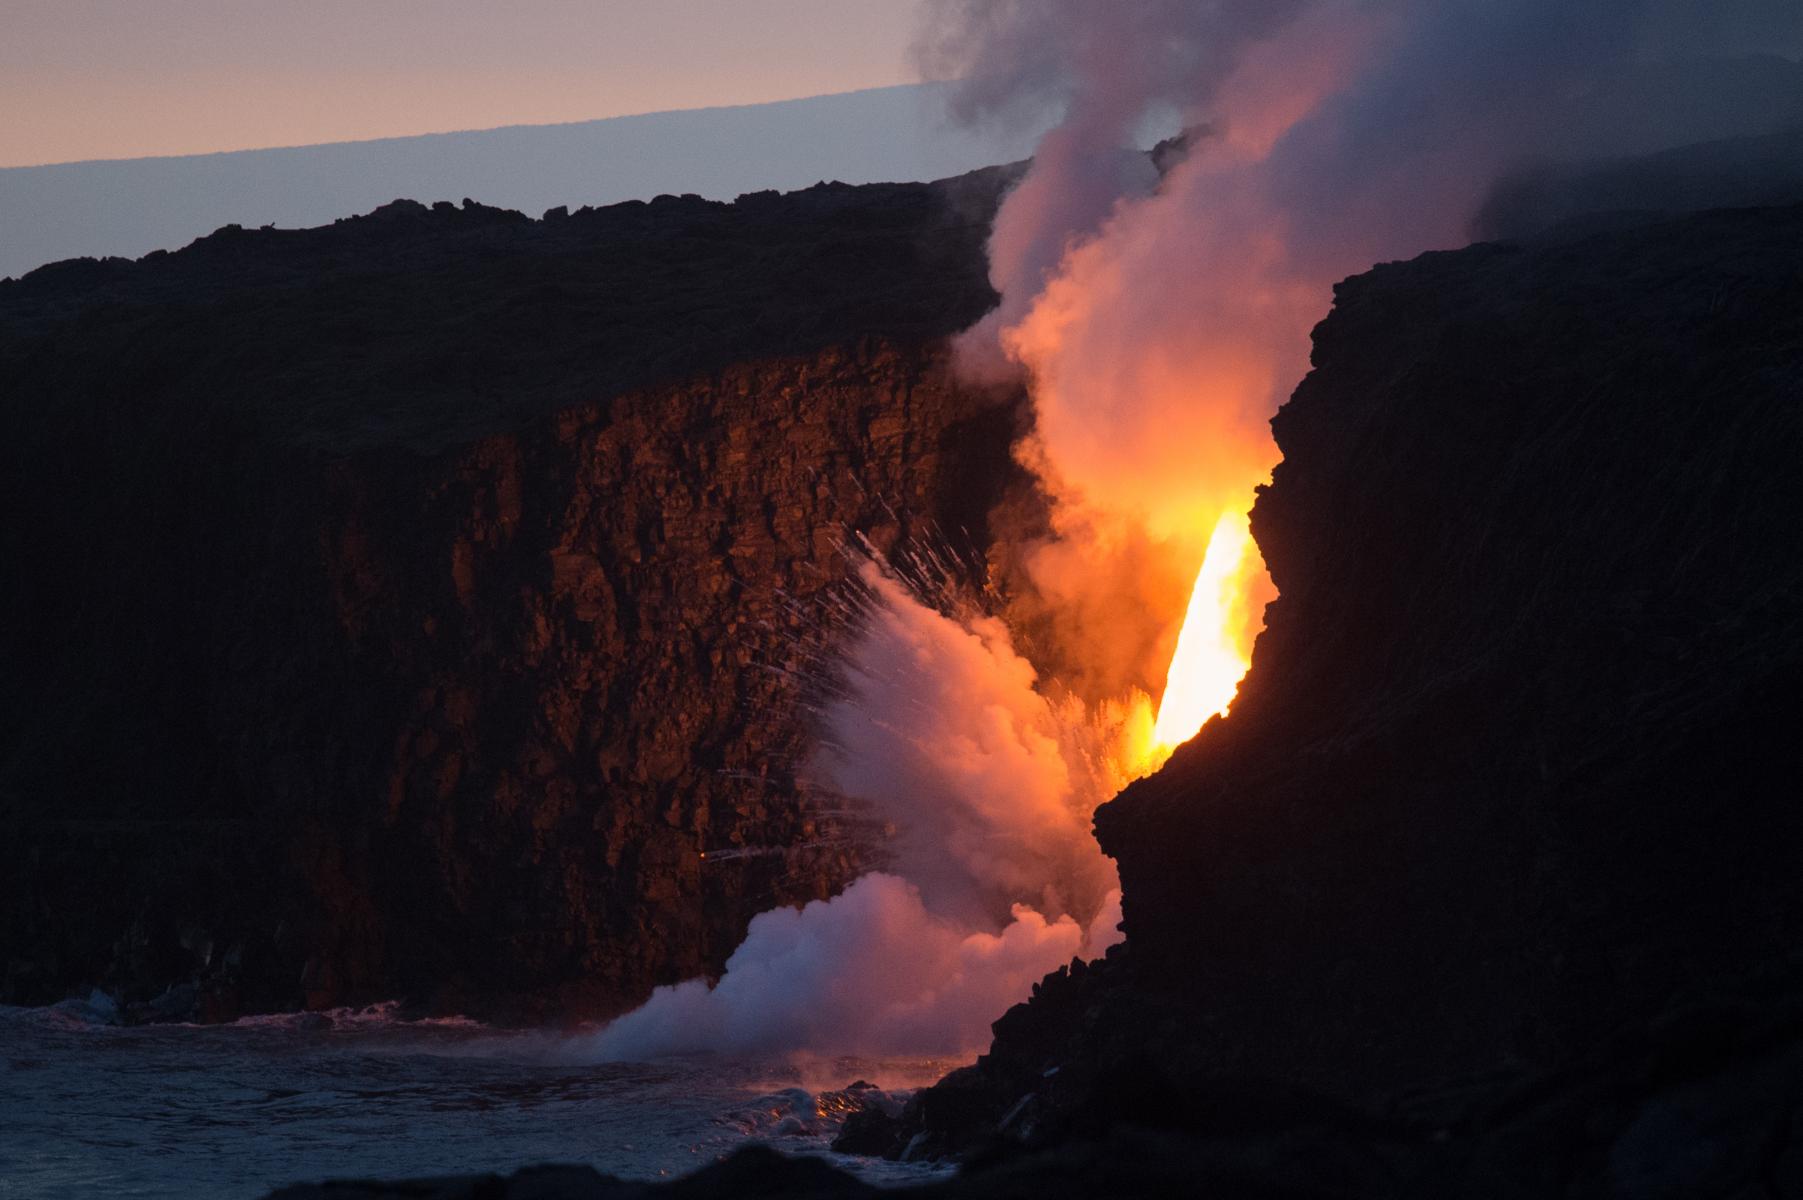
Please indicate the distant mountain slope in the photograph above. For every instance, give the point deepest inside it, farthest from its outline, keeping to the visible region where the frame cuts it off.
(133, 206)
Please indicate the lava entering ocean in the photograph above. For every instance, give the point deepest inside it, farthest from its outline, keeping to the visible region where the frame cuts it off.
(1213, 648)
(1158, 322)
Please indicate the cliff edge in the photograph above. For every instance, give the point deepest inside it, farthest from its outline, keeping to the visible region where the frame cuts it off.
(408, 608)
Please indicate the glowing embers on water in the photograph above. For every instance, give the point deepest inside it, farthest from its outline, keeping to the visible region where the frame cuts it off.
(1214, 647)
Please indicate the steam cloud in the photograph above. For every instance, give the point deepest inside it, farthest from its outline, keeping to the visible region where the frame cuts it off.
(869, 972)
(1160, 323)
(990, 784)
(940, 726)
(1161, 328)
(1161, 331)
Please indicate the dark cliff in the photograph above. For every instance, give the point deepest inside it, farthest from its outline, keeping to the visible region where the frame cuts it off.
(1509, 768)
(1497, 854)
(405, 608)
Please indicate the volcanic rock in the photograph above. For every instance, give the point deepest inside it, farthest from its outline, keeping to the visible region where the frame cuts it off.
(1513, 774)
(412, 608)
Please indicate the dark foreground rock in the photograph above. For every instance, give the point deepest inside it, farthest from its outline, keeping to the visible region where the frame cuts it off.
(1511, 768)
(1514, 770)
(410, 608)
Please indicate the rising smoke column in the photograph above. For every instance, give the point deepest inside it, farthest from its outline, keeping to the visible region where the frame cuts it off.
(1159, 328)
(1160, 336)
(1107, 65)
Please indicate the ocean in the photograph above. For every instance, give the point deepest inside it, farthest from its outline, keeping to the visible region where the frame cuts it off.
(90, 1108)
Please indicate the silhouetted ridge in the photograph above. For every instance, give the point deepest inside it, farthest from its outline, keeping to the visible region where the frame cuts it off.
(429, 325)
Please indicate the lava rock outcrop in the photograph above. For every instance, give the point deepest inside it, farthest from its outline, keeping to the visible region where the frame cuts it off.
(1508, 770)
(1513, 769)
(410, 608)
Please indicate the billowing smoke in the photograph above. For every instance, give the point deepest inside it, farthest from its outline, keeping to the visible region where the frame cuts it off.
(1160, 329)
(1107, 65)
(940, 726)
(1159, 323)
(989, 783)
(870, 972)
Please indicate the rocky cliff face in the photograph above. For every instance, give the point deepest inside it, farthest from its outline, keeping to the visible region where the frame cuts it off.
(1513, 768)
(1509, 769)
(411, 608)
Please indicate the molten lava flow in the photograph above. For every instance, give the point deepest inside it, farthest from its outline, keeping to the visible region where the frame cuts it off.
(1214, 647)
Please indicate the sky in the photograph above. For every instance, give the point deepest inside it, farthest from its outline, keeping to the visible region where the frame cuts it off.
(87, 79)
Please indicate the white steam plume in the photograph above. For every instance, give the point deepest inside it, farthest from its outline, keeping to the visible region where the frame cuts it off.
(1108, 65)
(995, 879)
(989, 784)
(1340, 134)
(870, 972)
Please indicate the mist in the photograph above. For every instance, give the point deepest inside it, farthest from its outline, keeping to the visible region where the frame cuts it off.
(937, 725)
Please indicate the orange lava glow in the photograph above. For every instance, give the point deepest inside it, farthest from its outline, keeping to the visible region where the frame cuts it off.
(1214, 647)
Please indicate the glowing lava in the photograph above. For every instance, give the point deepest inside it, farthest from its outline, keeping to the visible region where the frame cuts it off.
(1214, 647)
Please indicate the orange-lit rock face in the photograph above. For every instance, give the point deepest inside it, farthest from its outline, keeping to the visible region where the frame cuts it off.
(453, 710)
